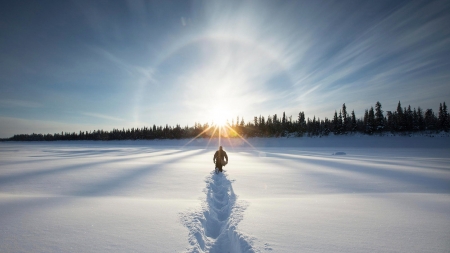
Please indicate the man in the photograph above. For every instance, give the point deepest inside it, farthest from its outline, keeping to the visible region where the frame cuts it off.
(218, 159)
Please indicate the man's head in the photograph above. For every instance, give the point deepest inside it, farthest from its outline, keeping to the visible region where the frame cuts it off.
(220, 147)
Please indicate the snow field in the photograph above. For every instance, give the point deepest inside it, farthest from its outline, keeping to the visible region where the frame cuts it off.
(282, 195)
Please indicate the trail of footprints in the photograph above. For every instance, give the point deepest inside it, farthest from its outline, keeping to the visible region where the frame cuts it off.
(214, 229)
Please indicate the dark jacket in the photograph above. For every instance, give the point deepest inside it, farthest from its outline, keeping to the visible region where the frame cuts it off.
(220, 155)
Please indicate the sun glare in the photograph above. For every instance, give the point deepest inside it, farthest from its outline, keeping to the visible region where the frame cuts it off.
(220, 120)
(219, 117)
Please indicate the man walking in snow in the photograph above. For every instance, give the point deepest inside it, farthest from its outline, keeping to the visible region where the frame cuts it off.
(219, 159)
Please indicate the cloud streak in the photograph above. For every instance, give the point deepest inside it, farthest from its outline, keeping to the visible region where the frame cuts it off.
(8, 103)
(101, 116)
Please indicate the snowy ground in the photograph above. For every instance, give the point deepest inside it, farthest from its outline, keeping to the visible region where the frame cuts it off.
(375, 194)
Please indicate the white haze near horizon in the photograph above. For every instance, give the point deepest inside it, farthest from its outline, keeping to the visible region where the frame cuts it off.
(74, 65)
(382, 194)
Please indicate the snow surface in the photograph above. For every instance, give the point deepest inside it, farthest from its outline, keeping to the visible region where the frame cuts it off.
(386, 194)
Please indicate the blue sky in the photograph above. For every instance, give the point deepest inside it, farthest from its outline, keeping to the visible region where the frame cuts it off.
(86, 65)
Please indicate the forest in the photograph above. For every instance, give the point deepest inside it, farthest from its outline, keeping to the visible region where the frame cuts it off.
(403, 120)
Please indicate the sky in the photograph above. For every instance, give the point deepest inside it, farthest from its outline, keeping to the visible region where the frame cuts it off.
(89, 65)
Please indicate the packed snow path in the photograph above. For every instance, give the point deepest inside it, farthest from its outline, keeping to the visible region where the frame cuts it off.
(214, 228)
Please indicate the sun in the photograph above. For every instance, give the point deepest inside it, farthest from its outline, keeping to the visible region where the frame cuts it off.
(221, 122)
(219, 119)
(219, 116)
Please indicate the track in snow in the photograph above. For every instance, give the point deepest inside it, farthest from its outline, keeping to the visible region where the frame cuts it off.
(214, 228)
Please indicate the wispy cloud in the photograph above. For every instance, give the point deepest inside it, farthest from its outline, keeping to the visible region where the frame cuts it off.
(19, 103)
(101, 116)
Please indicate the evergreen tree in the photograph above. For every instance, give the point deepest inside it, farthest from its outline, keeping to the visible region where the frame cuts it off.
(400, 126)
(420, 120)
(336, 124)
(370, 121)
(408, 114)
(390, 122)
(345, 119)
(415, 123)
(301, 129)
(366, 120)
(443, 117)
(446, 117)
(262, 126)
(283, 129)
(354, 126)
(379, 118)
(326, 127)
(314, 129)
(430, 120)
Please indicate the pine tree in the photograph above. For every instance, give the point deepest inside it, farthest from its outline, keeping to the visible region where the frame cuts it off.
(379, 118)
(430, 120)
(336, 124)
(354, 126)
(301, 124)
(314, 126)
(370, 121)
(415, 124)
(446, 117)
(345, 119)
(366, 119)
(326, 127)
(400, 118)
(443, 117)
(262, 124)
(389, 121)
(420, 120)
(408, 118)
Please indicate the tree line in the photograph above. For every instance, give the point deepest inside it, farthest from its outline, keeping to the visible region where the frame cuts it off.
(374, 121)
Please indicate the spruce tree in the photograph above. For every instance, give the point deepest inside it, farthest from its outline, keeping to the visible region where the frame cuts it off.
(336, 124)
(430, 120)
(354, 126)
(366, 120)
(379, 118)
(371, 121)
(345, 119)
(420, 120)
(409, 118)
(415, 123)
(446, 117)
(443, 117)
(301, 124)
(400, 118)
